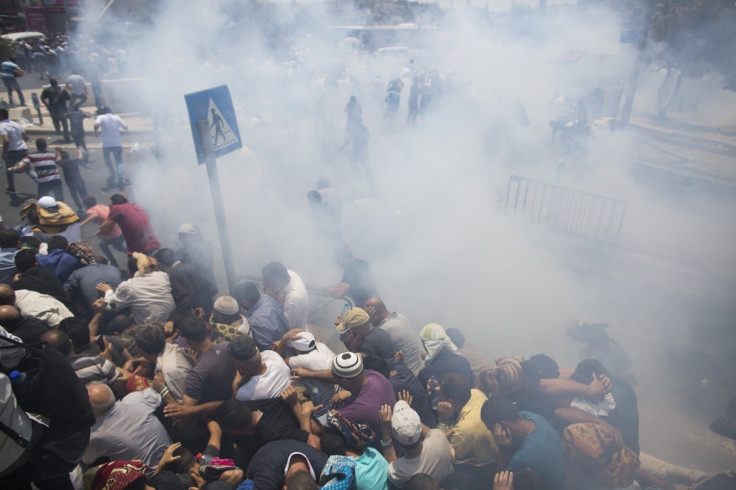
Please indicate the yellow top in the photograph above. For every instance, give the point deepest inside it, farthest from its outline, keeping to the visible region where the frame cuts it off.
(471, 441)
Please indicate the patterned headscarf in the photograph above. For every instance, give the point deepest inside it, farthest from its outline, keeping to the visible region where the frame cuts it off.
(435, 339)
(117, 475)
(355, 435)
(338, 473)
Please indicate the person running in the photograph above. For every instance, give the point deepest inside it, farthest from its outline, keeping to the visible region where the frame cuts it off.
(14, 147)
(109, 126)
(55, 99)
(41, 166)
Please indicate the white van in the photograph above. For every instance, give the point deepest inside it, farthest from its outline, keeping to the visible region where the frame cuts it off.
(23, 36)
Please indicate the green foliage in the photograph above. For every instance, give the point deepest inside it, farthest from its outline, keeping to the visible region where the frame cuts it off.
(698, 36)
(6, 49)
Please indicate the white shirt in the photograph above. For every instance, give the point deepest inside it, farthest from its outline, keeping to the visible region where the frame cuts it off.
(243, 326)
(296, 302)
(110, 130)
(148, 295)
(41, 306)
(270, 384)
(76, 82)
(318, 359)
(15, 135)
(174, 363)
(435, 460)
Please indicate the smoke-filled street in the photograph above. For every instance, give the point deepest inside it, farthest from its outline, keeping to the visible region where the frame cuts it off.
(480, 159)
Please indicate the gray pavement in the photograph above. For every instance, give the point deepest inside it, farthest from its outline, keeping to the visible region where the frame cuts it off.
(43, 126)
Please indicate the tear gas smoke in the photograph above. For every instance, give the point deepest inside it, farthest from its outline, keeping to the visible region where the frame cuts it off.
(441, 248)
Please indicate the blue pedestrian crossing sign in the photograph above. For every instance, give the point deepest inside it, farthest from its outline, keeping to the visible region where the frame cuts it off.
(216, 107)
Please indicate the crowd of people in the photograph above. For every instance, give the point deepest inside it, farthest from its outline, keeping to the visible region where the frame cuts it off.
(147, 378)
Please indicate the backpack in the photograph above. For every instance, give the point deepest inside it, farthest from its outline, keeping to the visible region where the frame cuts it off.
(591, 448)
(53, 390)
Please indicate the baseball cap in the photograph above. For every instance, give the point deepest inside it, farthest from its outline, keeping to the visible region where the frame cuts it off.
(355, 317)
(242, 347)
(347, 365)
(304, 343)
(309, 464)
(227, 305)
(406, 426)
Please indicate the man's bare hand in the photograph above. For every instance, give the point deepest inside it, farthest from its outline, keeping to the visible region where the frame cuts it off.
(102, 287)
(502, 437)
(406, 396)
(504, 480)
(98, 306)
(168, 455)
(290, 396)
(299, 373)
(385, 413)
(169, 329)
(370, 309)
(444, 411)
(158, 382)
(107, 351)
(309, 408)
(179, 414)
(198, 480)
(292, 334)
(339, 398)
(598, 388)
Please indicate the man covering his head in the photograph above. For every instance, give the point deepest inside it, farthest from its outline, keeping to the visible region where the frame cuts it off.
(364, 391)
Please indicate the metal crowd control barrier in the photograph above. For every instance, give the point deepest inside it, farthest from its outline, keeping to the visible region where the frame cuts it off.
(579, 213)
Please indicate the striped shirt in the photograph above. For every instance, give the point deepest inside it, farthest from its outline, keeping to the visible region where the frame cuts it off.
(7, 70)
(95, 370)
(44, 165)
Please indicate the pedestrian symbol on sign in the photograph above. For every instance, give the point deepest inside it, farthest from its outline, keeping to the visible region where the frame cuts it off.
(220, 133)
(211, 113)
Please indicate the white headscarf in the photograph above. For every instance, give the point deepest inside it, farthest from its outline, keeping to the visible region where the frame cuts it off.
(435, 339)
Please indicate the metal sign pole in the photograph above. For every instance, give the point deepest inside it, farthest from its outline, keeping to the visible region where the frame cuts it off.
(211, 162)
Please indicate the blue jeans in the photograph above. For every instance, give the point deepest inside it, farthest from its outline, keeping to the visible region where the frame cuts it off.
(117, 170)
(52, 188)
(11, 158)
(117, 243)
(12, 84)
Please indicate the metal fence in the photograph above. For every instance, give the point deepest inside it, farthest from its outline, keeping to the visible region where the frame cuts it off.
(579, 213)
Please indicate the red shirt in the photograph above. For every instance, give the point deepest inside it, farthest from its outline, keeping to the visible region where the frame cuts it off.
(136, 227)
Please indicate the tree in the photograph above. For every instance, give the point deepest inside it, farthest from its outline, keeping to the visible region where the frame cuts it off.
(698, 37)
(6, 49)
